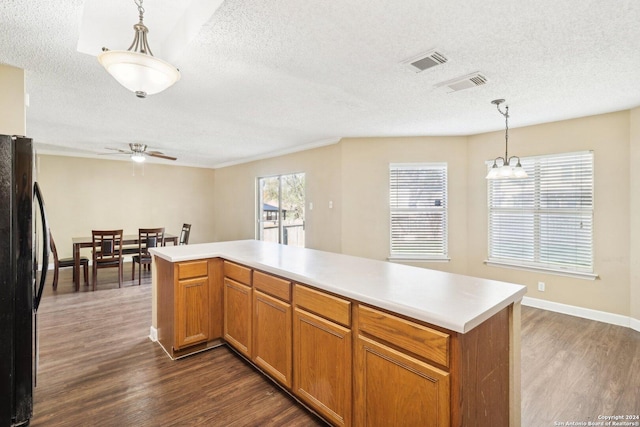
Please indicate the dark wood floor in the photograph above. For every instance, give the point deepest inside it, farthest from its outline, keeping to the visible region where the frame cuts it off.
(98, 368)
(575, 369)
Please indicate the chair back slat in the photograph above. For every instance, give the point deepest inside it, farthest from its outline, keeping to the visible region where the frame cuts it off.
(184, 234)
(152, 242)
(107, 247)
(149, 238)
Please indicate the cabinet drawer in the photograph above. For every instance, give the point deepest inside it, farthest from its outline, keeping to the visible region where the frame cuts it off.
(325, 305)
(237, 272)
(413, 337)
(187, 270)
(273, 286)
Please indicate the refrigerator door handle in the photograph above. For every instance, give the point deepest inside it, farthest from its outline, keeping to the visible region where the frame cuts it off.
(45, 246)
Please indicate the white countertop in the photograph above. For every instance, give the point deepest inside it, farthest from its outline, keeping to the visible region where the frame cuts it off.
(452, 301)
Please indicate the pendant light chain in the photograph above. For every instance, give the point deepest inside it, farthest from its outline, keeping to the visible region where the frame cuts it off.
(506, 132)
(506, 126)
(140, 8)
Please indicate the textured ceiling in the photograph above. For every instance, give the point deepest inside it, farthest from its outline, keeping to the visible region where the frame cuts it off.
(266, 77)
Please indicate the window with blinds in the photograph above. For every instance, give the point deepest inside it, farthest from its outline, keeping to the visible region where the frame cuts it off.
(418, 202)
(544, 221)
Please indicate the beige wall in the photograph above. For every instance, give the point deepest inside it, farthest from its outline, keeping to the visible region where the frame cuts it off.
(235, 196)
(12, 108)
(354, 175)
(83, 194)
(365, 193)
(634, 253)
(608, 136)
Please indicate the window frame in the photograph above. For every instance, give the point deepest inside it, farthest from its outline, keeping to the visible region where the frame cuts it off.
(534, 166)
(399, 255)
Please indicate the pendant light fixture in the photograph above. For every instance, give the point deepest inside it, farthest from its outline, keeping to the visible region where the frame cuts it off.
(507, 169)
(136, 68)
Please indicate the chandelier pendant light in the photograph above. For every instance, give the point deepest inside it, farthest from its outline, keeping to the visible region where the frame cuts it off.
(507, 169)
(136, 68)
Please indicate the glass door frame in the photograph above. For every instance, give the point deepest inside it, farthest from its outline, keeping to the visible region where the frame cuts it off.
(281, 212)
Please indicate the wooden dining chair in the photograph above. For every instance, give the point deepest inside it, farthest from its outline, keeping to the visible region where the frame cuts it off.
(184, 234)
(66, 262)
(147, 238)
(107, 252)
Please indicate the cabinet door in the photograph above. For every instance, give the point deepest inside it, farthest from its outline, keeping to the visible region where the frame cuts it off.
(322, 366)
(272, 337)
(237, 316)
(395, 389)
(192, 312)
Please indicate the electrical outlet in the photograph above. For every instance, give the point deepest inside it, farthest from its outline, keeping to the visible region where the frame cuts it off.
(541, 286)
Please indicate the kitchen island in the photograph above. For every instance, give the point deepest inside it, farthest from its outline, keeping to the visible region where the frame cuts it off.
(359, 341)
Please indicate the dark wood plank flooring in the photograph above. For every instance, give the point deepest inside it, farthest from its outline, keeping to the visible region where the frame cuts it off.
(97, 367)
(575, 370)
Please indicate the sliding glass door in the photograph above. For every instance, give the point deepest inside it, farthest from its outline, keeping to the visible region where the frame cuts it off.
(281, 209)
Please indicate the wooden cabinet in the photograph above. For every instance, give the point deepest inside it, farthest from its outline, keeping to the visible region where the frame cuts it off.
(322, 343)
(192, 304)
(237, 307)
(395, 370)
(394, 386)
(192, 313)
(272, 327)
(189, 305)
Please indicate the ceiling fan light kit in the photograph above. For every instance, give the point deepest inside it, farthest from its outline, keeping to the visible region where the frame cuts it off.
(138, 152)
(137, 157)
(136, 68)
(507, 169)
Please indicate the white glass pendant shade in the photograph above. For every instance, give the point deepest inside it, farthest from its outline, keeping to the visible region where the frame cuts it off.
(140, 73)
(493, 172)
(519, 172)
(506, 172)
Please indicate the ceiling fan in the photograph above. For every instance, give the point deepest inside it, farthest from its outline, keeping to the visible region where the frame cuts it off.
(139, 151)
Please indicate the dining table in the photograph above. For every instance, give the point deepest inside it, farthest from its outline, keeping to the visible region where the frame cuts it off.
(87, 242)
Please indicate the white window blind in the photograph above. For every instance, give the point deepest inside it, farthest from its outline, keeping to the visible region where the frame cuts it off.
(546, 220)
(418, 201)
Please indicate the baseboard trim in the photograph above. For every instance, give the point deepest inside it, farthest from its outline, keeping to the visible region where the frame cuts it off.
(153, 334)
(585, 313)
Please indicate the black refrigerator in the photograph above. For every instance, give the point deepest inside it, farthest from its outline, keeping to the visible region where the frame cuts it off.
(24, 243)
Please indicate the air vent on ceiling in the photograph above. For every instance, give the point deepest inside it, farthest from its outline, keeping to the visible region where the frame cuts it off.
(425, 61)
(464, 82)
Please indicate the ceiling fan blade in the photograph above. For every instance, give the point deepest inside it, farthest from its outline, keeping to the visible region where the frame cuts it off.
(160, 155)
(117, 149)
